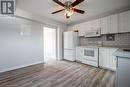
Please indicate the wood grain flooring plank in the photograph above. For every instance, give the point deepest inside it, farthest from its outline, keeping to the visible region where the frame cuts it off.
(58, 74)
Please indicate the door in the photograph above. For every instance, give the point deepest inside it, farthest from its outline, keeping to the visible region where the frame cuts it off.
(49, 38)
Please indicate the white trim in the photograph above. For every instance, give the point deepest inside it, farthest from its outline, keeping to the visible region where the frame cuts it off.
(20, 66)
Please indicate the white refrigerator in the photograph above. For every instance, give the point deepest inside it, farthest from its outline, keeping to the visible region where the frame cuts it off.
(71, 41)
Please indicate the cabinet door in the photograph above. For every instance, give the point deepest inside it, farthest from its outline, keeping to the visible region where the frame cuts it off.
(96, 23)
(109, 24)
(113, 24)
(104, 57)
(124, 22)
(93, 25)
(69, 55)
(112, 59)
(72, 28)
(79, 54)
(83, 27)
(80, 29)
(105, 25)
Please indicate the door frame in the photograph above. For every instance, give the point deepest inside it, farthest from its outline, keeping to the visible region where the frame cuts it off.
(56, 40)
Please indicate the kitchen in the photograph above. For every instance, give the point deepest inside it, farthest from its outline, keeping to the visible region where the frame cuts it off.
(64, 43)
(97, 42)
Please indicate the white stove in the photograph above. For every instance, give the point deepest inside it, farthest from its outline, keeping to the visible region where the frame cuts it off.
(91, 55)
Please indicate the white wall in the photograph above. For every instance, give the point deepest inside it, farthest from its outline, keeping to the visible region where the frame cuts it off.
(18, 51)
(47, 22)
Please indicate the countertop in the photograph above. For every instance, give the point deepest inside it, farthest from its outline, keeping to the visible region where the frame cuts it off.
(121, 53)
(106, 46)
(117, 46)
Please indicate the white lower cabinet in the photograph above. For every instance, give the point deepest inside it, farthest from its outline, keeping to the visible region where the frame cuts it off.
(103, 57)
(112, 59)
(79, 54)
(106, 58)
(69, 55)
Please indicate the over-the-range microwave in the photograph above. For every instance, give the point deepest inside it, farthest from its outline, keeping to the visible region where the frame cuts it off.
(93, 32)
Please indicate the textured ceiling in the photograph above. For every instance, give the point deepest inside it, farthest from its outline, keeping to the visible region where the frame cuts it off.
(93, 8)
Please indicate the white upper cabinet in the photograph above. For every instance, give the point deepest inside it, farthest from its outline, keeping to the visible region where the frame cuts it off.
(94, 25)
(88, 26)
(82, 28)
(117, 23)
(113, 24)
(104, 25)
(93, 29)
(72, 28)
(124, 22)
(109, 24)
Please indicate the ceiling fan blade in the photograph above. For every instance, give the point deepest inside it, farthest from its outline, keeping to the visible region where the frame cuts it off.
(78, 11)
(58, 2)
(76, 2)
(58, 11)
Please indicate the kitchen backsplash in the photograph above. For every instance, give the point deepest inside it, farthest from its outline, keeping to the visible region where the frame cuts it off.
(119, 40)
(90, 41)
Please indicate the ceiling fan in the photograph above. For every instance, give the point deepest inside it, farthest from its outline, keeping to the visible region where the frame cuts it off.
(69, 7)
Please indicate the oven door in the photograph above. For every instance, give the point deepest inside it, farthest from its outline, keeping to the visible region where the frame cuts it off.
(91, 54)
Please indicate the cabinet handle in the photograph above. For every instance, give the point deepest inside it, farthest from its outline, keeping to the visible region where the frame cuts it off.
(116, 62)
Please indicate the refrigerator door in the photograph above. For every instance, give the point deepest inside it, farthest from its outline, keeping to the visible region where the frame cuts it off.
(70, 40)
(70, 55)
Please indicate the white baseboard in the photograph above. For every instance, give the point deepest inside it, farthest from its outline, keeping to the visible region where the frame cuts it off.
(21, 66)
(107, 68)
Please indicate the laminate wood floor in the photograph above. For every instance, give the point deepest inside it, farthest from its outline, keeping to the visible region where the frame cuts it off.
(58, 74)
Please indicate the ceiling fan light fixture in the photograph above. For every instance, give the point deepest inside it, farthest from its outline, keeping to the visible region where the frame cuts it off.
(69, 12)
(69, 7)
